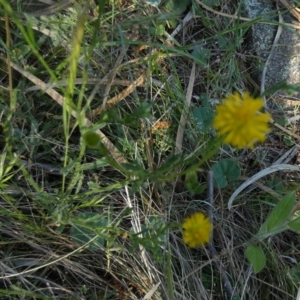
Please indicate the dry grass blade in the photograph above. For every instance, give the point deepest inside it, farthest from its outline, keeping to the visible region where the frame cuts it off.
(120, 96)
(259, 175)
(189, 93)
(112, 75)
(49, 2)
(109, 77)
(60, 99)
(61, 83)
(286, 101)
(211, 246)
(51, 262)
(151, 292)
(287, 156)
(292, 9)
(184, 22)
(137, 228)
(52, 9)
(136, 249)
(290, 133)
(262, 187)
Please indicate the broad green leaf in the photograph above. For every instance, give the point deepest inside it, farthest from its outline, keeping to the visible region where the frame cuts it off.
(203, 54)
(295, 224)
(92, 139)
(256, 257)
(177, 6)
(84, 228)
(275, 184)
(158, 30)
(225, 169)
(203, 117)
(279, 214)
(288, 141)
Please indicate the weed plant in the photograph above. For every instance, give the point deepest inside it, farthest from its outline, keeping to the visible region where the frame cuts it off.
(93, 186)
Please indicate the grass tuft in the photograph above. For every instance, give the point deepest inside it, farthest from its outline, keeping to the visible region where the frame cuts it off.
(93, 191)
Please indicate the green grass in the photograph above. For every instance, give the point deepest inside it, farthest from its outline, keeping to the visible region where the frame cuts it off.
(103, 222)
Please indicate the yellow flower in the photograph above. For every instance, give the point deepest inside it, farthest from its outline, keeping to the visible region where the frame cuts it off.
(238, 119)
(196, 230)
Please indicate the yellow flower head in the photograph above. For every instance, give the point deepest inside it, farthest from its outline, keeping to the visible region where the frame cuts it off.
(238, 119)
(196, 230)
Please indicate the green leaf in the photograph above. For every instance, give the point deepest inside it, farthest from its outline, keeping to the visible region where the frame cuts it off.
(283, 85)
(153, 235)
(143, 111)
(288, 141)
(60, 228)
(256, 257)
(223, 43)
(225, 169)
(275, 184)
(171, 163)
(192, 184)
(203, 117)
(279, 214)
(158, 30)
(134, 169)
(294, 274)
(177, 6)
(97, 164)
(83, 229)
(202, 54)
(92, 139)
(295, 224)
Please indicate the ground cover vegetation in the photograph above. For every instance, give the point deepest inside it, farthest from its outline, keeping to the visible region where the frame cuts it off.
(138, 158)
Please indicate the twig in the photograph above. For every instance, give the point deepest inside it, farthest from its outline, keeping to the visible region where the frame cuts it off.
(211, 247)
